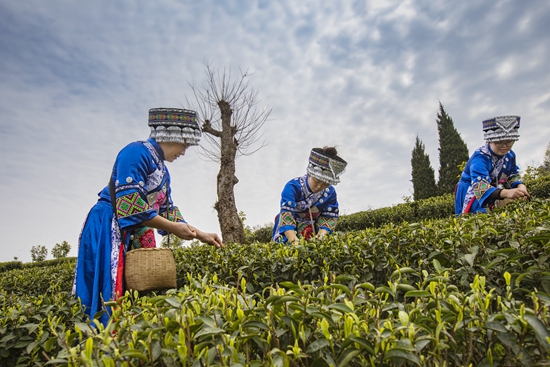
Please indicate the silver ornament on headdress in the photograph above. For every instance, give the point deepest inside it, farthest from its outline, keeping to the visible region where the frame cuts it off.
(174, 125)
(325, 168)
(501, 128)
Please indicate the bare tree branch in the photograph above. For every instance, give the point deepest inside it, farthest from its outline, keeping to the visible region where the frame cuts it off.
(231, 122)
(246, 120)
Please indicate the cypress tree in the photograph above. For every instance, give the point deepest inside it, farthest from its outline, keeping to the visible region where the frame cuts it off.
(452, 152)
(546, 161)
(423, 175)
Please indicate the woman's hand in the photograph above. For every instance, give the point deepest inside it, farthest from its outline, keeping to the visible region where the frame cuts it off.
(321, 233)
(184, 231)
(210, 238)
(191, 233)
(519, 192)
(291, 236)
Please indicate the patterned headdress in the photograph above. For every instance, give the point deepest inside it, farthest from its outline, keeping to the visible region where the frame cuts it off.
(174, 125)
(325, 168)
(501, 128)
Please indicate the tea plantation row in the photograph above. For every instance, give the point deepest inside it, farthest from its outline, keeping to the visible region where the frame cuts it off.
(536, 179)
(343, 323)
(460, 291)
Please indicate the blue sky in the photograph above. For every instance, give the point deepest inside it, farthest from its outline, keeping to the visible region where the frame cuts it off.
(77, 79)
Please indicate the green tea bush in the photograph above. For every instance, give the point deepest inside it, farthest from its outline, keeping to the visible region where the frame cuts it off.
(40, 279)
(49, 263)
(537, 181)
(10, 265)
(469, 290)
(432, 208)
(485, 244)
(31, 326)
(344, 323)
(263, 234)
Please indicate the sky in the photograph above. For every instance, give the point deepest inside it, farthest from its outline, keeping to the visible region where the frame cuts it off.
(77, 79)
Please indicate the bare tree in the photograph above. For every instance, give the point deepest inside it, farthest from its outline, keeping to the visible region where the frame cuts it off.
(231, 122)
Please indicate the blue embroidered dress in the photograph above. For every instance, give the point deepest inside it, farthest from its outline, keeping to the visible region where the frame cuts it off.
(300, 207)
(142, 190)
(484, 173)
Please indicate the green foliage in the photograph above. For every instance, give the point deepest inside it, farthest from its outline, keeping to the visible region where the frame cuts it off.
(458, 291)
(34, 279)
(248, 232)
(50, 263)
(339, 322)
(263, 234)
(33, 327)
(39, 253)
(468, 245)
(61, 250)
(537, 181)
(452, 152)
(171, 240)
(257, 233)
(10, 265)
(423, 175)
(432, 208)
(461, 168)
(203, 259)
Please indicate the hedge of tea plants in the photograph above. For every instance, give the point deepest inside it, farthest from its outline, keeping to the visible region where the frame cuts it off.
(432, 208)
(468, 290)
(537, 181)
(488, 245)
(338, 323)
(506, 240)
(33, 279)
(472, 290)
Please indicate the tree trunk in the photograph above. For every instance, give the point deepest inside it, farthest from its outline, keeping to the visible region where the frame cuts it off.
(228, 217)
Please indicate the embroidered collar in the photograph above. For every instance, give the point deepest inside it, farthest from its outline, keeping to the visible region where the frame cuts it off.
(309, 195)
(157, 147)
(156, 152)
(497, 160)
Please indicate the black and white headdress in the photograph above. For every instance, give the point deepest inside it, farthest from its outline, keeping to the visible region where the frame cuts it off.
(501, 128)
(324, 167)
(174, 125)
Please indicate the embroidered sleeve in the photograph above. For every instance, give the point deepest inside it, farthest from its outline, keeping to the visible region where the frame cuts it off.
(329, 211)
(327, 223)
(130, 204)
(290, 195)
(287, 215)
(130, 173)
(173, 215)
(287, 220)
(515, 180)
(480, 187)
(168, 210)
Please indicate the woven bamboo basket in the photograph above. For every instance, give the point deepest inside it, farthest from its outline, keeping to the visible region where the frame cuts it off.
(150, 269)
